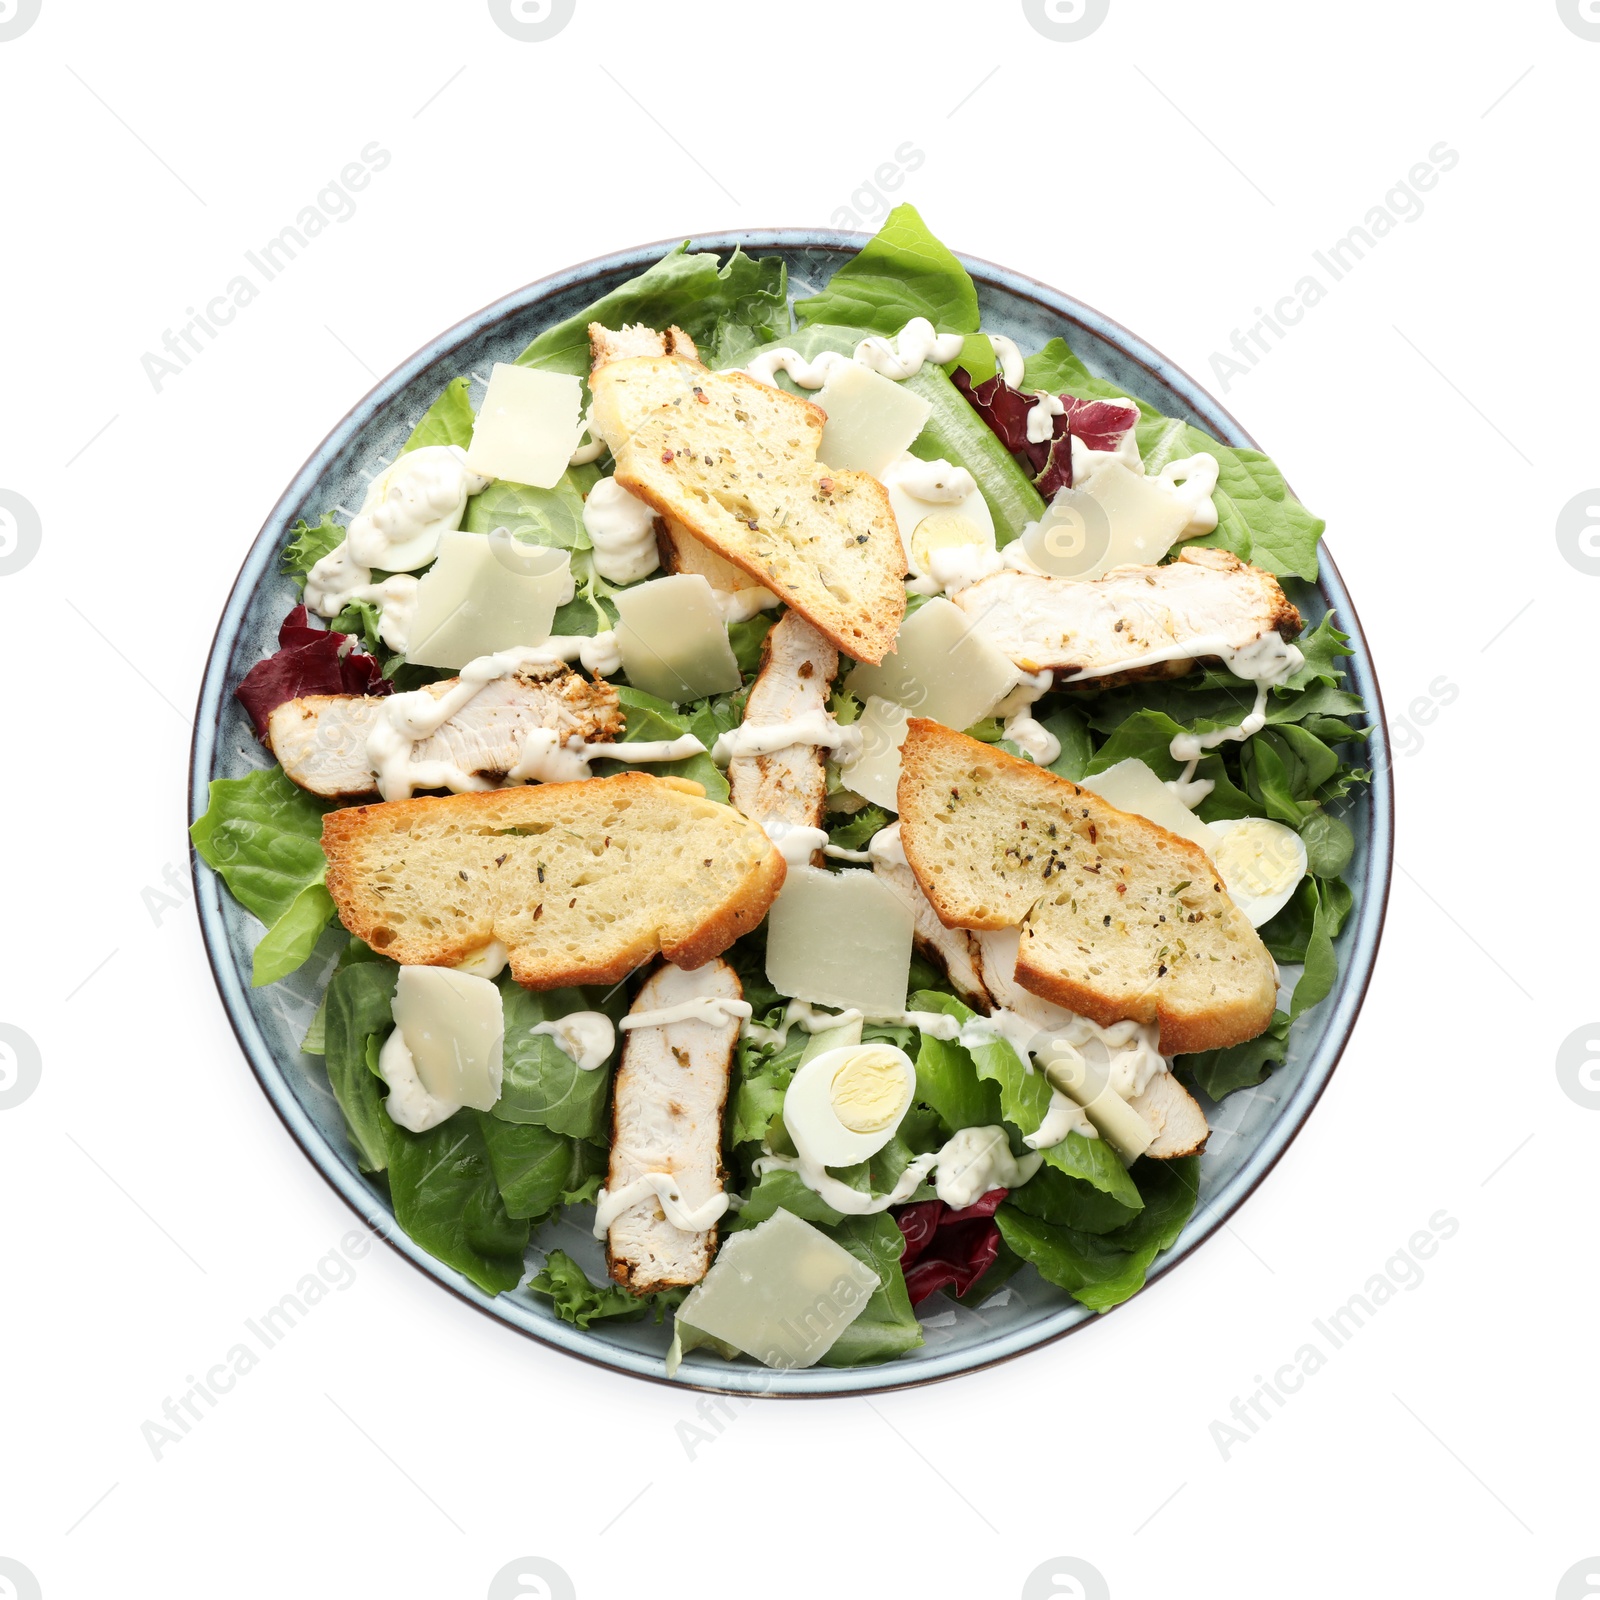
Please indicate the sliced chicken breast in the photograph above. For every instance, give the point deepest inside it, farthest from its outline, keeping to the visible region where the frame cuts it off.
(635, 339)
(666, 1116)
(798, 667)
(1109, 629)
(321, 739)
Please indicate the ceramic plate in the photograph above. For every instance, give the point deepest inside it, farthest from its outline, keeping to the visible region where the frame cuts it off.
(1251, 1129)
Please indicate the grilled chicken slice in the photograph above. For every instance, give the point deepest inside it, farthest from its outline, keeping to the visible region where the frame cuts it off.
(666, 1116)
(1165, 1106)
(797, 668)
(321, 739)
(953, 949)
(1107, 628)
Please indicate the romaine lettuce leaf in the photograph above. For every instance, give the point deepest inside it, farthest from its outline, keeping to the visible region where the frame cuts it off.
(888, 1327)
(1102, 1270)
(446, 1198)
(651, 719)
(263, 836)
(1024, 1100)
(902, 272)
(447, 421)
(724, 308)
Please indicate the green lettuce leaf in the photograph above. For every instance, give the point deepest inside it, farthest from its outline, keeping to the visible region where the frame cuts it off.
(888, 1327)
(1024, 1100)
(724, 307)
(1103, 1270)
(902, 272)
(308, 544)
(288, 943)
(574, 1299)
(446, 1198)
(357, 1012)
(1065, 1202)
(541, 1084)
(551, 517)
(651, 719)
(534, 1168)
(263, 837)
(447, 421)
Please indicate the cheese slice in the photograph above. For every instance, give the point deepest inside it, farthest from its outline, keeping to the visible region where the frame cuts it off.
(871, 419)
(874, 774)
(454, 1027)
(840, 939)
(940, 668)
(528, 425)
(1132, 786)
(1118, 518)
(673, 641)
(486, 593)
(782, 1292)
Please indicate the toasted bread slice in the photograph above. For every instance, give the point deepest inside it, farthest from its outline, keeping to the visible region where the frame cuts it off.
(635, 339)
(666, 1116)
(734, 462)
(1120, 919)
(582, 882)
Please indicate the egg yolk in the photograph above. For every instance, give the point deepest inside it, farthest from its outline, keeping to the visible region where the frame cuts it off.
(868, 1091)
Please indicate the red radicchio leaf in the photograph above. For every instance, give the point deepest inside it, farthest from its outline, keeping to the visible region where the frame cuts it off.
(1099, 423)
(945, 1248)
(308, 661)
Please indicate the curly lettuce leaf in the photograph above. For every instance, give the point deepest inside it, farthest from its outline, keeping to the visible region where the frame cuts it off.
(263, 837)
(726, 308)
(308, 544)
(901, 272)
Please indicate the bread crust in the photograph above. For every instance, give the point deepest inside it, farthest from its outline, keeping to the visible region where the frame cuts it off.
(487, 829)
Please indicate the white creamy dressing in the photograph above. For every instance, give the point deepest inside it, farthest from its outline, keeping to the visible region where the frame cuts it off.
(1267, 662)
(765, 739)
(409, 505)
(977, 1160)
(587, 1037)
(1010, 359)
(546, 756)
(740, 605)
(1192, 481)
(899, 358)
(1022, 729)
(664, 1187)
(1062, 1116)
(1042, 416)
(959, 566)
(886, 846)
(710, 1008)
(852, 1202)
(596, 447)
(409, 1103)
(936, 482)
(797, 843)
(1087, 462)
(489, 961)
(622, 529)
(336, 582)
(799, 1014)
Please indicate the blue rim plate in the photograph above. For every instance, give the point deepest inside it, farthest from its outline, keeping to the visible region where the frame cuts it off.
(1252, 1127)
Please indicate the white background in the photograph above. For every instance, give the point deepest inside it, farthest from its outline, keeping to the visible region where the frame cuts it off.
(1175, 170)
